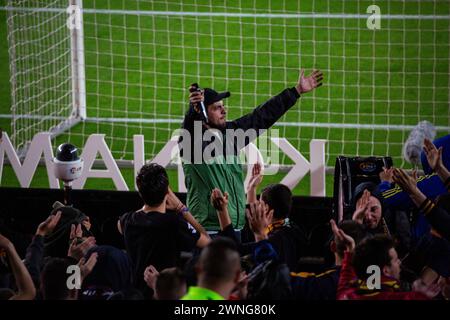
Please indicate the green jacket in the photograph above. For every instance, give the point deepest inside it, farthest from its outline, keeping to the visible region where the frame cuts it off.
(197, 293)
(202, 178)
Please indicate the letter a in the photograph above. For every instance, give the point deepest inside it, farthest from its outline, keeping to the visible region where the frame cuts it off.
(374, 281)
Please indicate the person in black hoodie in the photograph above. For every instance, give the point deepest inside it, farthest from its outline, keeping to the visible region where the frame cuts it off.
(111, 274)
(158, 232)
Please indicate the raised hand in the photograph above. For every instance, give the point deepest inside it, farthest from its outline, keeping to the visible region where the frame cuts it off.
(259, 218)
(218, 200)
(386, 174)
(47, 227)
(172, 202)
(75, 232)
(86, 267)
(361, 207)
(256, 177)
(342, 237)
(434, 155)
(195, 97)
(309, 83)
(79, 246)
(87, 223)
(406, 182)
(431, 290)
(150, 276)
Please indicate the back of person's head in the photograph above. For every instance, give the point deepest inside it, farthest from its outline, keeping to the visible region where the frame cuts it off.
(54, 279)
(372, 251)
(170, 284)
(355, 230)
(219, 262)
(113, 269)
(153, 184)
(279, 198)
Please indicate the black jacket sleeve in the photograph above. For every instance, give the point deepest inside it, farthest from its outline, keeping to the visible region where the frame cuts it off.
(189, 118)
(261, 118)
(34, 258)
(228, 232)
(438, 217)
(266, 114)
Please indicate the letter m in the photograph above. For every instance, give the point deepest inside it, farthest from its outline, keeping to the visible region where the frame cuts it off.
(24, 172)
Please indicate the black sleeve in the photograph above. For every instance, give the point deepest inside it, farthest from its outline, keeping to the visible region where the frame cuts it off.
(188, 124)
(447, 184)
(123, 221)
(439, 218)
(189, 118)
(229, 232)
(34, 258)
(186, 235)
(266, 114)
(246, 248)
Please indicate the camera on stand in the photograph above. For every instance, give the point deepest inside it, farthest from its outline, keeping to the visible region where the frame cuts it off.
(67, 167)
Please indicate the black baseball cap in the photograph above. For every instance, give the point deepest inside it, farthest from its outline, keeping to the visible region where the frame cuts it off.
(212, 96)
(369, 186)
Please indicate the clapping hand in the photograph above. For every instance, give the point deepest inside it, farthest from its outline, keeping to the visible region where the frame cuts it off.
(218, 200)
(79, 246)
(256, 177)
(387, 174)
(434, 155)
(47, 227)
(259, 218)
(342, 237)
(150, 276)
(361, 207)
(406, 182)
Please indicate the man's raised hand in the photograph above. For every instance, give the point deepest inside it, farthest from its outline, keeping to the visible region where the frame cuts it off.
(195, 97)
(309, 83)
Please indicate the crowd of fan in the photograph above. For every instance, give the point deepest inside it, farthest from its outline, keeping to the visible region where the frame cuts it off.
(170, 256)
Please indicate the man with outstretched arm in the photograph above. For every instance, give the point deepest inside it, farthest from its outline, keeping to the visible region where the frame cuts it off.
(208, 112)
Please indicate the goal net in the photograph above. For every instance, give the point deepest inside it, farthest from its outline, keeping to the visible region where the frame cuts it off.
(140, 57)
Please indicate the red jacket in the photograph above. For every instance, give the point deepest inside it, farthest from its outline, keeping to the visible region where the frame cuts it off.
(350, 288)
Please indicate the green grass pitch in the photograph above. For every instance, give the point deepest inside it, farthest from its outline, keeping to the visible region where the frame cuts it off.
(140, 67)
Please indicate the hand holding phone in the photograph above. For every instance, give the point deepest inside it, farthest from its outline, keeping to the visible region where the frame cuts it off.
(197, 100)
